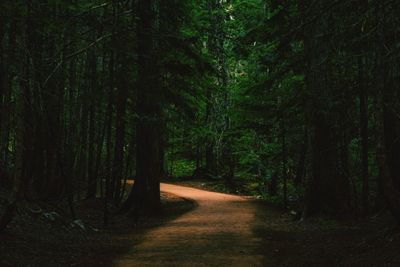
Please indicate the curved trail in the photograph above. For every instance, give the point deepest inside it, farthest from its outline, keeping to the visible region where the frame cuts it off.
(218, 232)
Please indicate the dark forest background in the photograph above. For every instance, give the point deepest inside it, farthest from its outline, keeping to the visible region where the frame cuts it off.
(297, 100)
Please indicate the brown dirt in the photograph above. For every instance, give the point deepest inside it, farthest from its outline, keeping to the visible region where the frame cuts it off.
(220, 230)
(227, 230)
(217, 233)
(32, 240)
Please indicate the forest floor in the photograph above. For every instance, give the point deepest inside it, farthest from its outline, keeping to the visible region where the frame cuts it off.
(198, 228)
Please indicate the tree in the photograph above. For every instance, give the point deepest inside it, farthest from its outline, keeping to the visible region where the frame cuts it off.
(145, 194)
(327, 191)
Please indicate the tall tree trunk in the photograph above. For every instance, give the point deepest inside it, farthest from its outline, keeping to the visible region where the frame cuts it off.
(7, 91)
(284, 162)
(218, 100)
(327, 191)
(26, 126)
(145, 195)
(363, 98)
(2, 79)
(392, 195)
(301, 165)
(52, 94)
(386, 123)
(121, 99)
(92, 179)
(111, 65)
(82, 160)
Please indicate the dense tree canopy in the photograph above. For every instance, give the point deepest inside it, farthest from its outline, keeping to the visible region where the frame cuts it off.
(300, 99)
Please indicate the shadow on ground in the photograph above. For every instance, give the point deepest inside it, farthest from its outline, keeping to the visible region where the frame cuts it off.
(29, 243)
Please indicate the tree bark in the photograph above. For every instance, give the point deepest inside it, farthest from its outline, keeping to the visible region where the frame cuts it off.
(363, 98)
(92, 101)
(7, 91)
(327, 191)
(386, 146)
(145, 195)
(121, 99)
(301, 165)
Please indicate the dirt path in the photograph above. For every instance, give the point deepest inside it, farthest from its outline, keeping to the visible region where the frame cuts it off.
(226, 230)
(218, 232)
(222, 230)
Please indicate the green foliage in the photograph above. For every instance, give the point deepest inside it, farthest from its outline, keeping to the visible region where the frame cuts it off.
(236, 89)
(182, 168)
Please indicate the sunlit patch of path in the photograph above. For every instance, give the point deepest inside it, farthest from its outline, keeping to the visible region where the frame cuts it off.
(218, 232)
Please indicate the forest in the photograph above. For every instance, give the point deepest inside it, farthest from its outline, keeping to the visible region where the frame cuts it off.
(295, 104)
